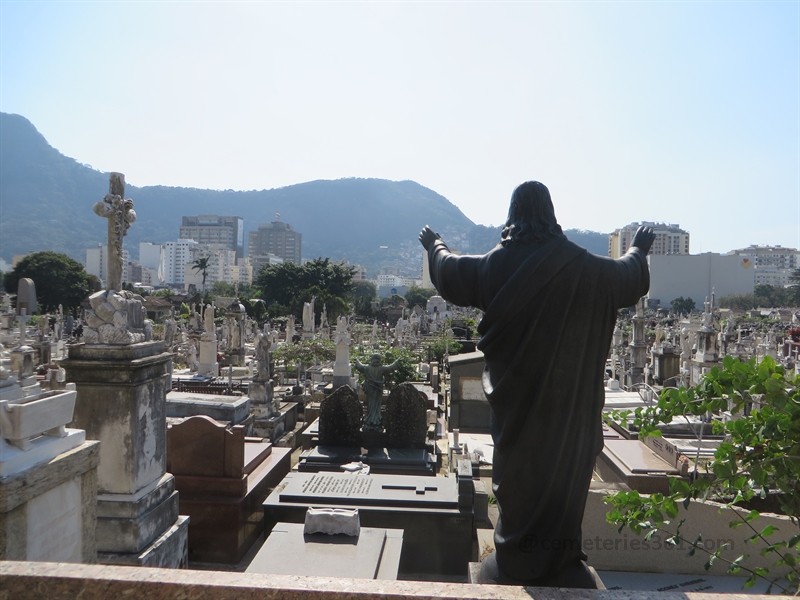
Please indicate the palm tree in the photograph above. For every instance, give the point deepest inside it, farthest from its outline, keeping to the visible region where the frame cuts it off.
(201, 264)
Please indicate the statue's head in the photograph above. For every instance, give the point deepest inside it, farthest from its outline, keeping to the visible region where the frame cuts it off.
(376, 360)
(531, 218)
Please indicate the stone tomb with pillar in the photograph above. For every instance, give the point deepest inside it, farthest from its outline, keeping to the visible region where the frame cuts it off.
(122, 403)
(122, 378)
(48, 473)
(48, 477)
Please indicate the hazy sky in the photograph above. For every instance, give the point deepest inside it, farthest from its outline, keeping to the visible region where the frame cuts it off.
(682, 112)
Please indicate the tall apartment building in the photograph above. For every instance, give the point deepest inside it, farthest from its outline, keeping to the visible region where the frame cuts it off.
(176, 255)
(670, 239)
(772, 265)
(276, 238)
(151, 256)
(224, 232)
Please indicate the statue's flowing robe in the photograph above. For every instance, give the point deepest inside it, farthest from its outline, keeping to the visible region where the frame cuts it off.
(549, 316)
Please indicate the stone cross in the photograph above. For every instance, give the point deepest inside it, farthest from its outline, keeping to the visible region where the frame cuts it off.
(120, 215)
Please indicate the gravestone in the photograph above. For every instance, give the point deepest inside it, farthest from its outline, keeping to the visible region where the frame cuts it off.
(340, 417)
(26, 297)
(121, 379)
(223, 478)
(437, 536)
(406, 418)
(48, 475)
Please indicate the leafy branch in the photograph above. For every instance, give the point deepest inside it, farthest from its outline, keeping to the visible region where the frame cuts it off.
(757, 410)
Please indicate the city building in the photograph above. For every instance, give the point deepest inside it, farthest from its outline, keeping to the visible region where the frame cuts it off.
(224, 232)
(97, 263)
(670, 239)
(277, 238)
(176, 255)
(221, 265)
(772, 265)
(151, 256)
(144, 276)
(242, 271)
(695, 276)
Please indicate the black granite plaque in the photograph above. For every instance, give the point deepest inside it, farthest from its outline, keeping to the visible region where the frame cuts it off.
(370, 490)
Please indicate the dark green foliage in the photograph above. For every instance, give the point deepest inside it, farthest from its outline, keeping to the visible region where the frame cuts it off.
(364, 289)
(438, 346)
(286, 287)
(794, 281)
(763, 296)
(58, 280)
(405, 370)
(773, 296)
(308, 352)
(228, 290)
(419, 296)
(682, 306)
(201, 265)
(365, 294)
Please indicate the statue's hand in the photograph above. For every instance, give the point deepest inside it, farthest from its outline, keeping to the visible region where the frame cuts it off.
(427, 237)
(643, 239)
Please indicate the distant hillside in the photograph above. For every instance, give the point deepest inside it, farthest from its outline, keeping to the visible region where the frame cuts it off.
(481, 239)
(46, 203)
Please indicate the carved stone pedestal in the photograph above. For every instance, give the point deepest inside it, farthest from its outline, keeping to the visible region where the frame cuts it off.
(208, 364)
(122, 402)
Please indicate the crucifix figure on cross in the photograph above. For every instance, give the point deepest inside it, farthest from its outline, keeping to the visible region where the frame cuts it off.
(120, 214)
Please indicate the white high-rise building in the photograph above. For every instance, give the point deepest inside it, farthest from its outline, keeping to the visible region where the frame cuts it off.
(176, 255)
(152, 256)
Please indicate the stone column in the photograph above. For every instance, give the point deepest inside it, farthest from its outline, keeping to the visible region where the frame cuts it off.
(342, 372)
(122, 403)
(638, 346)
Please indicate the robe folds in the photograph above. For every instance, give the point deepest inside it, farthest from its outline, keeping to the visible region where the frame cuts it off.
(549, 315)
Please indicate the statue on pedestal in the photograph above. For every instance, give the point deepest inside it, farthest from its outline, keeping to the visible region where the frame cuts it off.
(536, 285)
(374, 374)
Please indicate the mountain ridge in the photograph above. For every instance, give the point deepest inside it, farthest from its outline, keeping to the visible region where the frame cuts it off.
(46, 201)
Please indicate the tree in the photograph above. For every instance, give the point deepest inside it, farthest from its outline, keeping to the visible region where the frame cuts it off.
(773, 296)
(308, 352)
(201, 264)
(738, 301)
(683, 306)
(58, 279)
(405, 371)
(286, 286)
(364, 289)
(439, 345)
(222, 288)
(794, 280)
(419, 296)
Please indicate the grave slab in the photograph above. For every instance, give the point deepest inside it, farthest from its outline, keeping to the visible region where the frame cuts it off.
(226, 409)
(438, 535)
(374, 554)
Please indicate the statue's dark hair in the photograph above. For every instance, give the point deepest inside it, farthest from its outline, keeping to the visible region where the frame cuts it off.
(531, 218)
